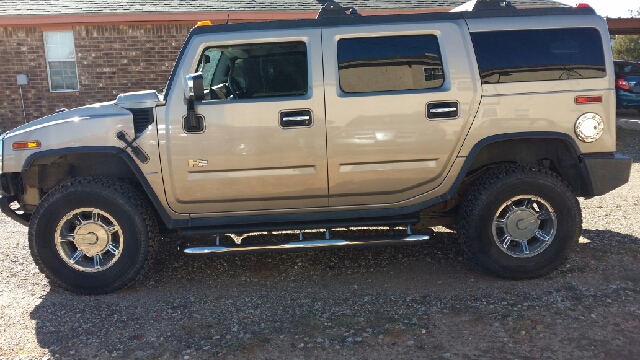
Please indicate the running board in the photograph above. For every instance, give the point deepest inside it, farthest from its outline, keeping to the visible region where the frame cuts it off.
(332, 224)
(303, 245)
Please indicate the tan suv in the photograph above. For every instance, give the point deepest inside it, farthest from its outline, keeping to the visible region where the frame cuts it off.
(492, 121)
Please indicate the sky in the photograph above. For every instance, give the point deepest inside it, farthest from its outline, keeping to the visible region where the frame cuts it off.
(609, 8)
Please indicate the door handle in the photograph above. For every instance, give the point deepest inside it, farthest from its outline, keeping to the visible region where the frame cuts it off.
(443, 110)
(296, 118)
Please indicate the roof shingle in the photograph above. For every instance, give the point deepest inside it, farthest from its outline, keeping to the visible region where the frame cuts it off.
(77, 7)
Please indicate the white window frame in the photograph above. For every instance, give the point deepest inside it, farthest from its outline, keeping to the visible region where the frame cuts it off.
(60, 60)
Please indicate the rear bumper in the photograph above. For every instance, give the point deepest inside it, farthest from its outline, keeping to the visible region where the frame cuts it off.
(7, 210)
(606, 172)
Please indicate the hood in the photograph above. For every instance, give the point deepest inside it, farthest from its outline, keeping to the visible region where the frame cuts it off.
(133, 100)
(138, 100)
(88, 126)
(94, 111)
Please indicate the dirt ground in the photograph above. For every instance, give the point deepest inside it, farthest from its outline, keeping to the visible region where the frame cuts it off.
(409, 302)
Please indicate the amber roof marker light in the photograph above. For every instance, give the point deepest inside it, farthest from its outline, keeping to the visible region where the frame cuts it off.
(203, 23)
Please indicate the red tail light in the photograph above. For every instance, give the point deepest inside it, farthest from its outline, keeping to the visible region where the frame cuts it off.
(622, 84)
(583, 5)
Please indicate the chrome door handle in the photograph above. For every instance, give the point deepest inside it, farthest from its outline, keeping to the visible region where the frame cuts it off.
(296, 118)
(443, 110)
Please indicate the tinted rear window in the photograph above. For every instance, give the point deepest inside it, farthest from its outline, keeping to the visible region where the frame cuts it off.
(389, 63)
(627, 69)
(539, 55)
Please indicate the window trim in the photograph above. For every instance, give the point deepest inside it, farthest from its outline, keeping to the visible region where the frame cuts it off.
(46, 58)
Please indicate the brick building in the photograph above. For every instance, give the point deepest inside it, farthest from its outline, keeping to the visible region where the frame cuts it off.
(77, 52)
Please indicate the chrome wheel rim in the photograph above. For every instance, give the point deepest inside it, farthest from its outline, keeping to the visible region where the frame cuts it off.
(524, 226)
(89, 240)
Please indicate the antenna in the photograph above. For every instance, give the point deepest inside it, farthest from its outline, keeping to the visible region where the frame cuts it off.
(332, 9)
(493, 5)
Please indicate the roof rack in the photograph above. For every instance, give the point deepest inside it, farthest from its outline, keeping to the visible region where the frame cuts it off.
(493, 5)
(332, 9)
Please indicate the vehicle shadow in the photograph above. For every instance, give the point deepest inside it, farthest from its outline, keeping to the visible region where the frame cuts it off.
(183, 303)
(628, 143)
(628, 129)
(607, 237)
(241, 304)
(605, 253)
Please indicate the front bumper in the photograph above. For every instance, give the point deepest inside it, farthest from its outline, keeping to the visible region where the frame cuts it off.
(12, 214)
(606, 172)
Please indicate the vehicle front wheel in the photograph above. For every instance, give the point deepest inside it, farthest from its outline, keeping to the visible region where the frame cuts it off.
(520, 222)
(91, 235)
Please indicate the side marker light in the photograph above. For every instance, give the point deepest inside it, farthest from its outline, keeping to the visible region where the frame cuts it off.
(588, 100)
(25, 145)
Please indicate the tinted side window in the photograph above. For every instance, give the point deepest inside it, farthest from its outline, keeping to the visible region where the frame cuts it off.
(539, 55)
(389, 63)
(253, 71)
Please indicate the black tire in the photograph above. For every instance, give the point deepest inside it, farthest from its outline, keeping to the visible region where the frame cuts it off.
(484, 201)
(121, 202)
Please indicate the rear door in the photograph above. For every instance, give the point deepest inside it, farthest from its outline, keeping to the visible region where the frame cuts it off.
(399, 99)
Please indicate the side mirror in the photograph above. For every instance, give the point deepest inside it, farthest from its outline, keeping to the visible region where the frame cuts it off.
(194, 87)
(193, 91)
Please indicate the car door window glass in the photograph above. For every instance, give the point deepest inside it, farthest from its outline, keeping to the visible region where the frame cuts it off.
(508, 56)
(254, 71)
(389, 63)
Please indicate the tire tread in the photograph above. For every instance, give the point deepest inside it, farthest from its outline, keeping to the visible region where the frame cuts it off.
(109, 186)
(480, 192)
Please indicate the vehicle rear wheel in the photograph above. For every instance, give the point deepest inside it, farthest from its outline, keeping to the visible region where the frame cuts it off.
(520, 222)
(91, 235)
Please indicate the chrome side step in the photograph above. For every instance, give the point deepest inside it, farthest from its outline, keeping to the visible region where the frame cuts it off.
(301, 245)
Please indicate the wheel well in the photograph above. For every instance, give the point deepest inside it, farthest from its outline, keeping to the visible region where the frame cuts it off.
(555, 154)
(45, 173)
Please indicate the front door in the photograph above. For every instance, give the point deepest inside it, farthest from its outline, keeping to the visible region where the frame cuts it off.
(263, 142)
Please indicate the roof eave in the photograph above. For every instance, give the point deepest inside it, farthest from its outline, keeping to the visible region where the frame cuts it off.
(183, 17)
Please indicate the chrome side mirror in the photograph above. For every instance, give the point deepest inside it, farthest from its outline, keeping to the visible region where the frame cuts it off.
(194, 87)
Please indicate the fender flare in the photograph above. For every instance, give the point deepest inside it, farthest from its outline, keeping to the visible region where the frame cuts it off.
(128, 159)
(475, 150)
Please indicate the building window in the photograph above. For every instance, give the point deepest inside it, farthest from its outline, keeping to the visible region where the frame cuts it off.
(61, 61)
(389, 63)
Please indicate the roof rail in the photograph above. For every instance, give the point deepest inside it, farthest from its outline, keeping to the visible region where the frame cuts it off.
(331, 9)
(493, 5)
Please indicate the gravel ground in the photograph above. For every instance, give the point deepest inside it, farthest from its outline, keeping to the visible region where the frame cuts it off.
(418, 301)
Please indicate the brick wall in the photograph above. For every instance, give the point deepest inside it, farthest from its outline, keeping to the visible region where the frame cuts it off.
(111, 59)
